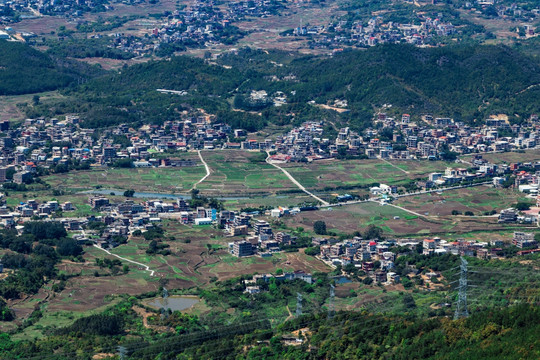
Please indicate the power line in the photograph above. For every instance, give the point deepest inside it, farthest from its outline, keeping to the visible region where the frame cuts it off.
(198, 337)
(215, 332)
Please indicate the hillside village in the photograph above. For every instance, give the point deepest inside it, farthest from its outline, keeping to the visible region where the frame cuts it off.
(431, 138)
(208, 24)
(41, 146)
(267, 179)
(422, 29)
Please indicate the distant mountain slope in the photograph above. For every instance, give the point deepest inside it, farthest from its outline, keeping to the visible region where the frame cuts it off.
(463, 81)
(24, 70)
(131, 95)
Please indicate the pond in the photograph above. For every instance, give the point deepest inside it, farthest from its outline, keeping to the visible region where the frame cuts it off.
(175, 303)
(342, 280)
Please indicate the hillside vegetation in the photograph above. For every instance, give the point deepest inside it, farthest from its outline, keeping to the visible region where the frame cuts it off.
(510, 333)
(24, 70)
(467, 83)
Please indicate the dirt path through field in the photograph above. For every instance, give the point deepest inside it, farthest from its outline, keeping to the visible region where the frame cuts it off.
(300, 186)
(207, 170)
(128, 260)
(397, 167)
(401, 208)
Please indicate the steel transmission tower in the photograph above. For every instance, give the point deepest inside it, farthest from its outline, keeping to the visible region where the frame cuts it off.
(122, 352)
(298, 304)
(331, 302)
(461, 309)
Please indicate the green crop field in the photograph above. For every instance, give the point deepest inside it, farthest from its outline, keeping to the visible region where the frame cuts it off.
(509, 157)
(241, 172)
(161, 180)
(333, 173)
(478, 199)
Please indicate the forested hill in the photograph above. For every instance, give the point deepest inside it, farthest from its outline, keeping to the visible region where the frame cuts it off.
(24, 70)
(510, 334)
(468, 83)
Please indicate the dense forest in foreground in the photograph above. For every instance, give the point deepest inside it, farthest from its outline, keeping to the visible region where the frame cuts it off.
(510, 333)
(465, 82)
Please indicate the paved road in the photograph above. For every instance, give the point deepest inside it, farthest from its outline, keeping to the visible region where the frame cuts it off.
(300, 186)
(147, 268)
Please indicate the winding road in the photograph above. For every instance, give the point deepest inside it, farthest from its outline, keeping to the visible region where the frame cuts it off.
(300, 186)
(147, 268)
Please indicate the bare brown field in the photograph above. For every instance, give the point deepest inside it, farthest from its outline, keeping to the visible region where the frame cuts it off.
(43, 26)
(499, 27)
(114, 64)
(85, 292)
(9, 109)
(394, 221)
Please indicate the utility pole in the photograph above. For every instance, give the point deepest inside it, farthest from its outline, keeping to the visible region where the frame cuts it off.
(298, 304)
(461, 309)
(331, 303)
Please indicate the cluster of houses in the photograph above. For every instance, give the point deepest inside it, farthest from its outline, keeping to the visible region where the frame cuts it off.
(525, 181)
(202, 23)
(512, 215)
(49, 143)
(422, 29)
(375, 31)
(374, 257)
(23, 9)
(363, 253)
(259, 237)
(520, 13)
(123, 218)
(428, 138)
(30, 209)
(251, 284)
